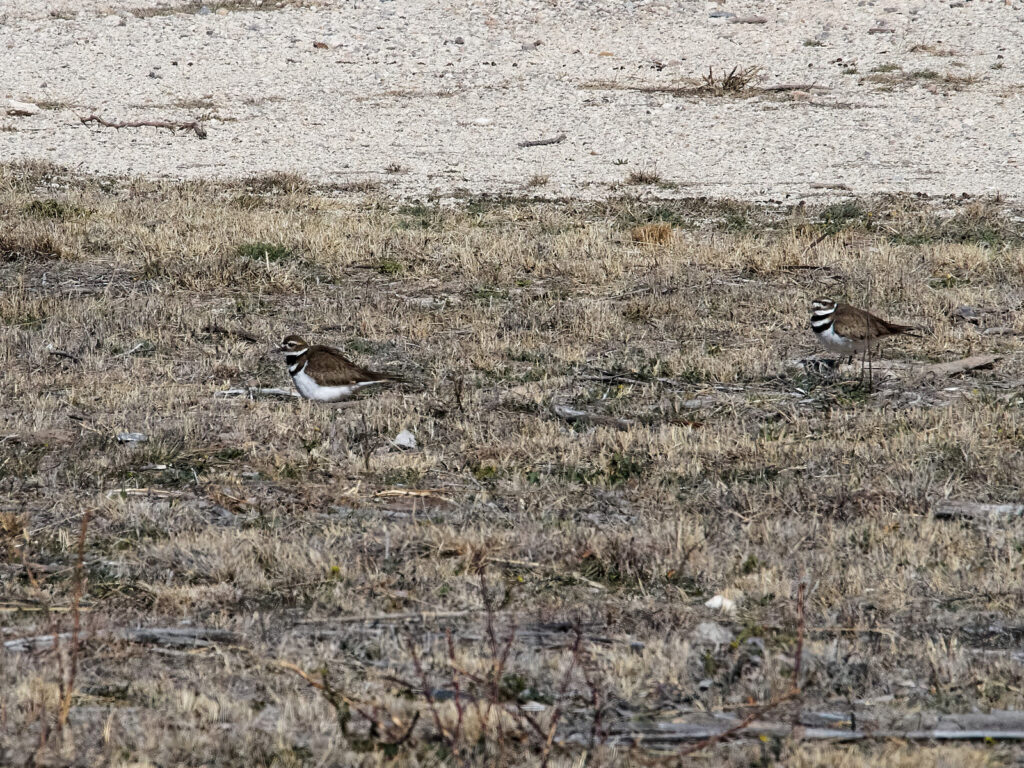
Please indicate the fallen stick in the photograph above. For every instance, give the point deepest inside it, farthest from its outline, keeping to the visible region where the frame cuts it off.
(793, 87)
(158, 493)
(675, 733)
(572, 414)
(405, 616)
(962, 366)
(192, 125)
(543, 142)
(193, 637)
(952, 509)
(253, 392)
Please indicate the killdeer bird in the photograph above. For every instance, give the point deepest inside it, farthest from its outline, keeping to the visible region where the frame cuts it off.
(848, 330)
(323, 374)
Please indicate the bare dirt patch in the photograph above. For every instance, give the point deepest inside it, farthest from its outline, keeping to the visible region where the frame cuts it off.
(338, 91)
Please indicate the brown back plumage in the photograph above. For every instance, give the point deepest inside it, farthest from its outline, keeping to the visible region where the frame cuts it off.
(327, 365)
(330, 368)
(860, 325)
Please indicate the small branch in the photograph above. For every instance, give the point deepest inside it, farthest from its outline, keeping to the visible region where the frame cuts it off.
(191, 637)
(962, 366)
(192, 125)
(253, 392)
(543, 142)
(951, 509)
(572, 414)
(406, 616)
(792, 87)
(821, 238)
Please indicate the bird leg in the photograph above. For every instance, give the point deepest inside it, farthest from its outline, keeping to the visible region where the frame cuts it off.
(871, 377)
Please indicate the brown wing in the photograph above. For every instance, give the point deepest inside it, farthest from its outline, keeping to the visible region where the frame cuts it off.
(333, 370)
(859, 325)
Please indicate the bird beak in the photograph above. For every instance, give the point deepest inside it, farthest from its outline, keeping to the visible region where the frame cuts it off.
(277, 350)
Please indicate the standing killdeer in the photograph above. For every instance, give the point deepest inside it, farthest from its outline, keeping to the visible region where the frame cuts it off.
(322, 373)
(848, 330)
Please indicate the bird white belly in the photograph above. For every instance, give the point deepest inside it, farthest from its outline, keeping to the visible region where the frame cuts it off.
(309, 389)
(833, 342)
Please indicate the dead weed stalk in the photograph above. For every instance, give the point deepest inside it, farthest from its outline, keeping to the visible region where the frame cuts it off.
(733, 83)
(66, 674)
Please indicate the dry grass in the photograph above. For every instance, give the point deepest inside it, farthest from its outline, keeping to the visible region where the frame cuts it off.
(738, 81)
(643, 176)
(720, 468)
(654, 233)
(891, 76)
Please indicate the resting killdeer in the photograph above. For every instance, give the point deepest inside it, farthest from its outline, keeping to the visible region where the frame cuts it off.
(848, 330)
(322, 373)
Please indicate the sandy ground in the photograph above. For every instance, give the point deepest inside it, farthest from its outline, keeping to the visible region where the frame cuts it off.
(434, 96)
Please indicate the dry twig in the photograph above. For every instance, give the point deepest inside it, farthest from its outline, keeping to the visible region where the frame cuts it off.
(192, 125)
(543, 142)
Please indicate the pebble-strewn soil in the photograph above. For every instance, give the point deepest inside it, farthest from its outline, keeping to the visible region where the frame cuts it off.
(434, 96)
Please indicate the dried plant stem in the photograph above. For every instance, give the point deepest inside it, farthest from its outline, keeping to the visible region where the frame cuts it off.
(195, 126)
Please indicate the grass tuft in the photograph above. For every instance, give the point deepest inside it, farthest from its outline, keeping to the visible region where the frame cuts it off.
(260, 251)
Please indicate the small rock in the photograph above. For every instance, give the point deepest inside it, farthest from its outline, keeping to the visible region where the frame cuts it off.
(721, 603)
(223, 11)
(336, 41)
(459, 40)
(204, 10)
(483, 121)
(722, 15)
(710, 633)
(22, 108)
(404, 439)
(113, 20)
(131, 437)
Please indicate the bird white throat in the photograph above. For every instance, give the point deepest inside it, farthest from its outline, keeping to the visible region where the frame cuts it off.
(822, 323)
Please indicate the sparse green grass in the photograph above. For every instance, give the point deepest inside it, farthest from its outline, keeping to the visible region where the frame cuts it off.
(264, 251)
(53, 209)
(711, 466)
(893, 76)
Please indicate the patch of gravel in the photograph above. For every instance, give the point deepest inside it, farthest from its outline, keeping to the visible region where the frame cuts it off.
(433, 97)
